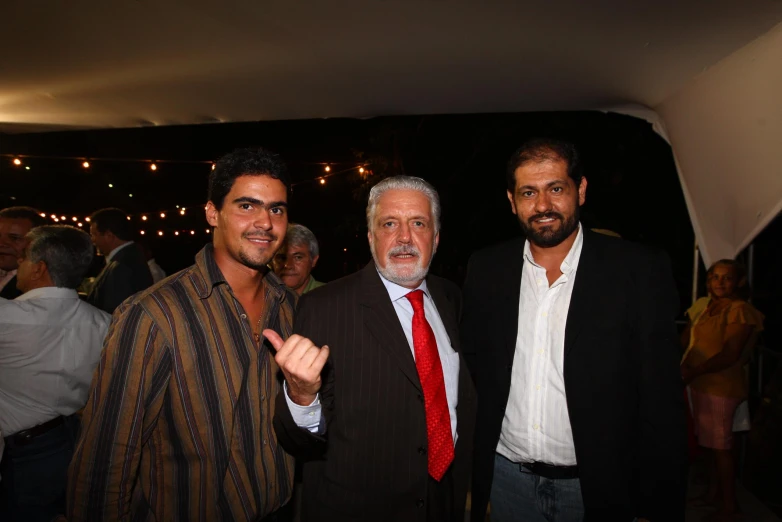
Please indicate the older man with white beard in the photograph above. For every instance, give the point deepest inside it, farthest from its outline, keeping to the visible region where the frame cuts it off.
(392, 411)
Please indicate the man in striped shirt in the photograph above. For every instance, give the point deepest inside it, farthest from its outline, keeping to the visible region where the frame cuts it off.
(178, 422)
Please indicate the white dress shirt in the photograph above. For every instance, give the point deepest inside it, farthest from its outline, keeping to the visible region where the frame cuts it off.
(536, 427)
(50, 343)
(158, 274)
(309, 416)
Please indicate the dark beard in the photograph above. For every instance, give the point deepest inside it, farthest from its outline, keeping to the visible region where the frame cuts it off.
(547, 237)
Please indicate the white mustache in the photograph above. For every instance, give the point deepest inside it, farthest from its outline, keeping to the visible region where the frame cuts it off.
(404, 249)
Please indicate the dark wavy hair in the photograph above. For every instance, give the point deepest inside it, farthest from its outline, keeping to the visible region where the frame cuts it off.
(254, 161)
(544, 149)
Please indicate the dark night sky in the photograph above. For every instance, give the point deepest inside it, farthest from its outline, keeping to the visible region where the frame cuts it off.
(633, 185)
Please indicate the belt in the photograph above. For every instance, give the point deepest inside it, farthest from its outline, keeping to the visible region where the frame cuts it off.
(550, 472)
(24, 437)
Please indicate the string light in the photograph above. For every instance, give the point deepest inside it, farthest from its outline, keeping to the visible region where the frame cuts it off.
(176, 233)
(142, 232)
(17, 161)
(79, 224)
(192, 232)
(53, 216)
(163, 215)
(87, 219)
(74, 218)
(63, 218)
(182, 212)
(213, 166)
(327, 169)
(361, 170)
(130, 195)
(322, 181)
(86, 164)
(207, 230)
(111, 185)
(160, 232)
(56, 220)
(143, 218)
(43, 215)
(128, 218)
(153, 167)
(27, 167)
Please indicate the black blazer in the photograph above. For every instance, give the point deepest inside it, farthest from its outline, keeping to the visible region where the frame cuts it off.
(621, 369)
(371, 463)
(126, 274)
(10, 291)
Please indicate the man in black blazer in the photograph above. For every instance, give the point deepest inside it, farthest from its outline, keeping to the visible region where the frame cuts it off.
(391, 415)
(15, 223)
(126, 271)
(571, 340)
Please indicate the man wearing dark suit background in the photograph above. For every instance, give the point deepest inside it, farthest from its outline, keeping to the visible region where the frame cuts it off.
(394, 441)
(126, 271)
(570, 336)
(15, 223)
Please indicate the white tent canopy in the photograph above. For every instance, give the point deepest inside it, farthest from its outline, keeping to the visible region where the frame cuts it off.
(708, 72)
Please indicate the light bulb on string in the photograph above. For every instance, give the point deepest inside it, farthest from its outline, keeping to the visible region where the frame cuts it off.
(74, 218)
(17, 162)
(79, 224)
(207, 230)
(86, 164)
(87, 219)
(327, 169)
(213, 166)
(163, 215)
(130, 195)
(160, 232)
(361, 170)
(63, 218)
(192, 232)
(322, 181)
(176, 233)
(111, 185)
(142, 232)
(27, 167)
(143, 218)
(43, 215)
(53, 216)
(56, 220)
(153, 167)
(182, 212)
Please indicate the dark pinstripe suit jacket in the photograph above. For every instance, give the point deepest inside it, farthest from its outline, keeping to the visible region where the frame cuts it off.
(371, 464)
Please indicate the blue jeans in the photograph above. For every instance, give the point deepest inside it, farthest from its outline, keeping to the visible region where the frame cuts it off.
(34, 475)
(517, 495)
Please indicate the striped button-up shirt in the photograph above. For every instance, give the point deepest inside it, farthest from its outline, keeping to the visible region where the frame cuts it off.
(178, 424)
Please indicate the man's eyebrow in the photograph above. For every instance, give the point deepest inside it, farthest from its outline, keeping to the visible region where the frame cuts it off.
(255, 201)
(549, 184)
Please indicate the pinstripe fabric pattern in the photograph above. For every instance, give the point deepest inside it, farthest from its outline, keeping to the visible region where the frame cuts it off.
(371, 462)
(178, 425)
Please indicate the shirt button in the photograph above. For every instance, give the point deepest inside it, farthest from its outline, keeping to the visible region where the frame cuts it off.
(419, 502)
(263, 397)
(420, 397)
(244, 316)
(545, 314)
(534, 427)
(422, 450)
(265, 442)
(537, 387)
(311, 414)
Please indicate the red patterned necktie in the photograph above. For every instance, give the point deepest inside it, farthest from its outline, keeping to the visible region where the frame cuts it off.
(430, 373)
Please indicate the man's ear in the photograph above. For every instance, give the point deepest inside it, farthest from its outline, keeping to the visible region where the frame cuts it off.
(211, 214)
(315, 261)
(38, 270)
(512, 202)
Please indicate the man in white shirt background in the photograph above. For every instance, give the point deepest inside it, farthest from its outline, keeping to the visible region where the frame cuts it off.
(15, 223)
(50, 343)
(571, 339)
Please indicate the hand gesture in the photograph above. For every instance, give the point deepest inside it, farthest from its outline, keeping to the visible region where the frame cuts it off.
(301, 362)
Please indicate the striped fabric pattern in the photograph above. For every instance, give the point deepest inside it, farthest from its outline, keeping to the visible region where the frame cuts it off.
(178, 426)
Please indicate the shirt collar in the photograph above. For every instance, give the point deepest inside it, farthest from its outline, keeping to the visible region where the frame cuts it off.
(114, 252)
(396, 292)
(570, 263)
(211, 276)
(49, 292)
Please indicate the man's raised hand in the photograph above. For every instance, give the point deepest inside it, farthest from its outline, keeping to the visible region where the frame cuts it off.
(301, 362)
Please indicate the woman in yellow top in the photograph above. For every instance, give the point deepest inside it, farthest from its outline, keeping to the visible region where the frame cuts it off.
(713, 368)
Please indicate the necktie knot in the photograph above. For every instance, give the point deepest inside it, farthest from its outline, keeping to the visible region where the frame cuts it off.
(416, 298)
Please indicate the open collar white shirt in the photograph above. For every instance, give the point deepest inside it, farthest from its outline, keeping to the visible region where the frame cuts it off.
(50, 343)
(536, 426)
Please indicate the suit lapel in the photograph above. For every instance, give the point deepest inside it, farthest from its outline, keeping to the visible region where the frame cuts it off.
(508, 296)
(445, 308)
(383, 323)
(587, 285)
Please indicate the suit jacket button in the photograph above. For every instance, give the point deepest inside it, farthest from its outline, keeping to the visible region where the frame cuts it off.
(420, 397)
(422, 450)
(419, 502)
